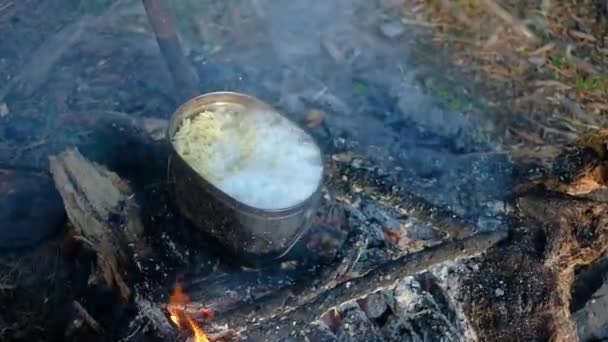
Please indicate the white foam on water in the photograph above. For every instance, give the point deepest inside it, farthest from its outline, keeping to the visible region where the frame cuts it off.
(257, 158)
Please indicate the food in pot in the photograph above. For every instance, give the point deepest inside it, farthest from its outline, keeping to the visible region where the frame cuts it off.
(257, 157)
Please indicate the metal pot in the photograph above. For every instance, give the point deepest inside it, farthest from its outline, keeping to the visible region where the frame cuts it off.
(253, 234)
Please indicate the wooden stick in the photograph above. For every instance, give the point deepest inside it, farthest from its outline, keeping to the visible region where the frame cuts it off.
(185, 78)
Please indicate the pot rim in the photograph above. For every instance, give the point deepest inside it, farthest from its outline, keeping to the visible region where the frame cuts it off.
(194, 106)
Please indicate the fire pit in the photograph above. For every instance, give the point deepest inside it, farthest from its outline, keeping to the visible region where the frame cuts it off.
(243, 173)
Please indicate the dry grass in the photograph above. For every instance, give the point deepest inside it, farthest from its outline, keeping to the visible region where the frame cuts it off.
(551, 56)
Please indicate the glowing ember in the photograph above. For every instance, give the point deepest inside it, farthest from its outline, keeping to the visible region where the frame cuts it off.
(178, 314)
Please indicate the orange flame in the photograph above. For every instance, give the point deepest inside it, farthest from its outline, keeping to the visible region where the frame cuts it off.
(199, 334)
(178, 301)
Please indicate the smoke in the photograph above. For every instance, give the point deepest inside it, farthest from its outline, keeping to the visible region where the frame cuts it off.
(296, 28)
(353, 59)
(356, 61)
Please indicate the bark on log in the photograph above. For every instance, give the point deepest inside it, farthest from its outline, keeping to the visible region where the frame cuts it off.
(99, 206)
(579, 169)
(576, 235)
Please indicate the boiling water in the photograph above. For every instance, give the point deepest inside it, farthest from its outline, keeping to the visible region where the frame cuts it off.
(258, 158)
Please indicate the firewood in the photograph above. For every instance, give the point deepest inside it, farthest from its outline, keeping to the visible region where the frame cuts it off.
(578, 169)
(98, 205)
(577, 235)
(277, 317)
(152, 313)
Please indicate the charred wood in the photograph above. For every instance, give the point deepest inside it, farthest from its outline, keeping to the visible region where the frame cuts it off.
(272, 320)
(98, 205)
(86, 316)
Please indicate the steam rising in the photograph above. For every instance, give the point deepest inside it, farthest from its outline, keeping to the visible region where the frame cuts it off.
(257, 158)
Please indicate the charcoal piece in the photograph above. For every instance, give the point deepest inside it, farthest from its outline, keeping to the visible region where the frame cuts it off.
(572, 162)
(30, 208)
(318, 332)
(356, 327)
(376, 236)
(416, 302)
(371, 258)
(382, 216)
(223, 292)
(374, 305)
(396, 330)
(418, 230)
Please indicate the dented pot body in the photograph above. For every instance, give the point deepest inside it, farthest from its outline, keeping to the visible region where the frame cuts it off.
(252, 234)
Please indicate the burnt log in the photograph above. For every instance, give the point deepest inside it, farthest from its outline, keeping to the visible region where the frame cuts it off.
(578, 169)
(106, 220)
(104, 217)
(521, 290)
(576, 235)
(279, 316)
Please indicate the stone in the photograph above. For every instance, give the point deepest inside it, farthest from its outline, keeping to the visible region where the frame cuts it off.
(592, 319)
(356, 327)
(374, 305)
(392, 29)
(396, 330)
(30, 208)
(320, 332)
(4, 111)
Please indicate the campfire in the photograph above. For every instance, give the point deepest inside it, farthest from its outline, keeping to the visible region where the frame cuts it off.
(180, 316)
